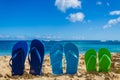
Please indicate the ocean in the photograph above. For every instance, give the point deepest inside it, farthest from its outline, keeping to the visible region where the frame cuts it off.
(83, 45)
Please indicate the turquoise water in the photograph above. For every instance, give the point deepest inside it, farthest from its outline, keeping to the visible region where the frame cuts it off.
(83, 46)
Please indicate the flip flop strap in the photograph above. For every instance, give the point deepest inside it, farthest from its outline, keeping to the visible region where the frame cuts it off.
(74, 55)
(12, 59)
(16, 53)
(29, 56)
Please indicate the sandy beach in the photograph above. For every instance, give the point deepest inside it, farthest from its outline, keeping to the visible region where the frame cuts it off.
(82, 74)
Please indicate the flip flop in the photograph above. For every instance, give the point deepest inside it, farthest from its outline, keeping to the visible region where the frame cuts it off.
(56, 55)
(19, 53)
(72, 57)
(90, 60)
(104, 58)
(103, 51)
(36, 57)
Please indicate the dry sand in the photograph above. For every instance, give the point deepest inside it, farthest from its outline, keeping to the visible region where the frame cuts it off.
(82, 74)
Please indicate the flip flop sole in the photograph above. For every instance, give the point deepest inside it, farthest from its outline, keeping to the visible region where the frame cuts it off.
(56, 55)
(36, 57)
(91, 64)
(19, 53)
(20, 45)
(104, 63)
(90, 59)
(72, 57)
(104, 59)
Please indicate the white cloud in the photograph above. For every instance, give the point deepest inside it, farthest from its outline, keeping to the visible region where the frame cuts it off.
(73, 17)
(112, 22)
(63, 5)
(117, 12)
(99, 3)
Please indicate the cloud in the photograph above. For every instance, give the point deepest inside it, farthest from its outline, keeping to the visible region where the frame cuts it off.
(63, 5)
(74, 17)
(99, 3)
(117, 12)
(112, 22)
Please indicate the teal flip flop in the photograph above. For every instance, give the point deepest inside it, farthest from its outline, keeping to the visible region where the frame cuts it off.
(72, 58)
(56, 55)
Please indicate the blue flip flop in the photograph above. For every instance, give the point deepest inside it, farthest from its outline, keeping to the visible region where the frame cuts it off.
(36, 57)
(56, 55)
(19, 53)
(72, 57)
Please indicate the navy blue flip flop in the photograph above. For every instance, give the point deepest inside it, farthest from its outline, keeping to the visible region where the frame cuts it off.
(36, 57)
(19, 53)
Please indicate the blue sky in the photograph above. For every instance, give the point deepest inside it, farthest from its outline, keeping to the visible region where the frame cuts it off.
(60, 19)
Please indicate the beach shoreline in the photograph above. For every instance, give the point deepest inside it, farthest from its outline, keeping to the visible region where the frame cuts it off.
(82, 74)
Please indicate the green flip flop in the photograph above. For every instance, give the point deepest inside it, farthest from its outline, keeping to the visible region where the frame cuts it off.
(104, 63)
(103, 51)
(90, 60)
(104, 58)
